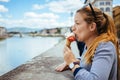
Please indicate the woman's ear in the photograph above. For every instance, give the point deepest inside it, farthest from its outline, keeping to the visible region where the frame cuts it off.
(93, 26)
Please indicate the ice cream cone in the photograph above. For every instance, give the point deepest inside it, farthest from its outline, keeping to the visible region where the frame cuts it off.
(68, 43)
(70, 38)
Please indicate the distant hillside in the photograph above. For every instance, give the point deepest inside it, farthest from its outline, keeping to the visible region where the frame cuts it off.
(23, 29)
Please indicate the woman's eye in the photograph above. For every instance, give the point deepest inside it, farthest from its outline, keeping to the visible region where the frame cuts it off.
(77, 23)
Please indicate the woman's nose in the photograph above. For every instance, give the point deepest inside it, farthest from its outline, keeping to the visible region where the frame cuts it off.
(73, 28)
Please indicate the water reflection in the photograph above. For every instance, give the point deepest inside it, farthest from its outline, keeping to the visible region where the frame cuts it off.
(4, 62)
(16, 51)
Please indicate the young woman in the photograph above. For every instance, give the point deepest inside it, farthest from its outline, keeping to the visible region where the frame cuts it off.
(99, 60)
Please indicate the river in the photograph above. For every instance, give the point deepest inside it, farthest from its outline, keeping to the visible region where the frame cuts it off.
(15, 51)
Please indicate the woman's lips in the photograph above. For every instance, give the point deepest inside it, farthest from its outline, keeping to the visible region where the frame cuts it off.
(76, 36)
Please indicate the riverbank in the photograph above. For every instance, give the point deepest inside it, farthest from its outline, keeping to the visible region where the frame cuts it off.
(47, 35)
(42, 66)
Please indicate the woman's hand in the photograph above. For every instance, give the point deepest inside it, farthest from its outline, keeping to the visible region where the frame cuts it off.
(62, 67)
(69, 56)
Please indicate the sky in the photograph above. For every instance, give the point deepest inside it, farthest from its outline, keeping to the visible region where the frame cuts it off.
(39, 13)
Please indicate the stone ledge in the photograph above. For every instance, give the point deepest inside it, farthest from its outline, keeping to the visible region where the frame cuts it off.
(39, 68)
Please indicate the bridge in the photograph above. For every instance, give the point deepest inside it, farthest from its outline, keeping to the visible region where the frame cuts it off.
(10, 34)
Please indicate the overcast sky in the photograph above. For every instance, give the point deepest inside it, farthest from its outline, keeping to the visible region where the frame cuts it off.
(38, 13)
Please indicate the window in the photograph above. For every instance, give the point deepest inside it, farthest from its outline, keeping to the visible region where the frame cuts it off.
(107, 9)
(102, 9)
(101, 3)
(107, 3)
(95, 5)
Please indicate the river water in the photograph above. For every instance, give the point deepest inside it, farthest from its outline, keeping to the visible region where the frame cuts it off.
(15, 51)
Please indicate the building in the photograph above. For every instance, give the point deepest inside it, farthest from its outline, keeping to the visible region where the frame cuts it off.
(50, 31)
(3, 32)
(64, 30)
(104, 5)
(116, 16)
(61, 31)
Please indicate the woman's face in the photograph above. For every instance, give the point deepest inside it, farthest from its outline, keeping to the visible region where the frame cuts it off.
(81, 28)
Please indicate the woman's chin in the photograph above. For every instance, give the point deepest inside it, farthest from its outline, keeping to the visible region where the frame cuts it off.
(79, 38)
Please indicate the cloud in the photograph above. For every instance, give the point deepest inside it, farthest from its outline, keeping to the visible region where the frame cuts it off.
(34, 23)
(33, 20)
(31, 23)
(3, 8)
(47, 0)
(60, 6)
(63, 6)
(4, 0)
(118, 4)
(37, 7)
(42, 16)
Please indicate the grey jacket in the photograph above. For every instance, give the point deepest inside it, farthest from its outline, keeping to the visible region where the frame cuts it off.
(103, 66)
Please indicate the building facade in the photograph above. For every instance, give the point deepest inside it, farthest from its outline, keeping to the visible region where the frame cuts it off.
(104, 5)
(3, 32)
